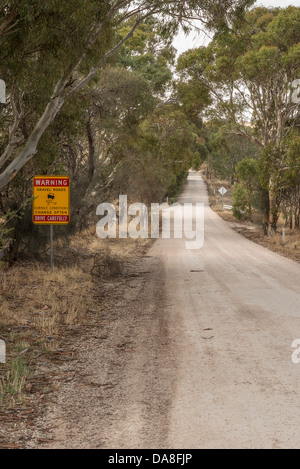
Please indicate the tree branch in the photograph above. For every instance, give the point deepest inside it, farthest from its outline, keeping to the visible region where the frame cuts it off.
(13, 140)
(10, 17)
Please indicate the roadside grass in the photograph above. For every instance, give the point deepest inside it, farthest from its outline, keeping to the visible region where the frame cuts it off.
(12, 382)
(291, 246)
(41, 311)
(35, 306)
(215, 198)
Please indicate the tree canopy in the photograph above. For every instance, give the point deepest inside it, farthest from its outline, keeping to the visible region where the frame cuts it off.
(246, 77)
(67, 43)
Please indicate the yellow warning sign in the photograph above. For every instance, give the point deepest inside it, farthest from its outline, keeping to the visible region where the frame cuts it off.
(51, 200)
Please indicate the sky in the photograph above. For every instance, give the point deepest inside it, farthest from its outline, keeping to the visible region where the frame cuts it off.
(197, 39)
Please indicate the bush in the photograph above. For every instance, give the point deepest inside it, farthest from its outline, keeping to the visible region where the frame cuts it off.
(240, 205)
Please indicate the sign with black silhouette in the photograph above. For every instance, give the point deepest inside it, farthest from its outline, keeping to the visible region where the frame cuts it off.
(51, 200)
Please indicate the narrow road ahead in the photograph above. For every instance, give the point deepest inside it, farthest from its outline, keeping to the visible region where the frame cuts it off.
(192, 351)
(234, 311)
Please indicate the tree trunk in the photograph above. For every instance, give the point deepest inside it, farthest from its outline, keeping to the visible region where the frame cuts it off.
(297, 219)
(91, 150)
(273, 213)
(30, 148)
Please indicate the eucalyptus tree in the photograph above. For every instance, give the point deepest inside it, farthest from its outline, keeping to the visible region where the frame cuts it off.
(53, 49)
(247, 77)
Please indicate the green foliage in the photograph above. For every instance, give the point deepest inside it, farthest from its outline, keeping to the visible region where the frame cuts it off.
(194, 99)
(150, 53)
(114, 133)
(226, 149)
(246, 190)
(240, 205)
(280, 166)
(176, 186)
(7, 220)
(246, 73)
(247, 171)
(161, 150)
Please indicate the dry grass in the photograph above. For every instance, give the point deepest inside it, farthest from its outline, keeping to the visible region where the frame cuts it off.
(215, 198)
(35, 305)
(291, 246)
(32, 295)
(38, 307)
(12, 383)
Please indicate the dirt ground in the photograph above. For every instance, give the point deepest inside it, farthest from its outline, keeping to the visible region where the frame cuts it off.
(123, 369)
(85, 356)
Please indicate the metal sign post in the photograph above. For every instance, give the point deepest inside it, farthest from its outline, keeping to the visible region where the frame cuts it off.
(222, 191)
(51, 204)
(51, 248)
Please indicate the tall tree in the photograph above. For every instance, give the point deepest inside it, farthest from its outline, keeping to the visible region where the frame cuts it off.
(150, 52)
(68, 42)
(248, 73)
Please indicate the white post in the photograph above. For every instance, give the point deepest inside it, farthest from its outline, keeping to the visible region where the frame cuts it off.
(2, 352)
(2, 92)
(283, 236)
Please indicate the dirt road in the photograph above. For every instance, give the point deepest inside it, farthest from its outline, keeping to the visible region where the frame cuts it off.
(236, 386)
(197, 352)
